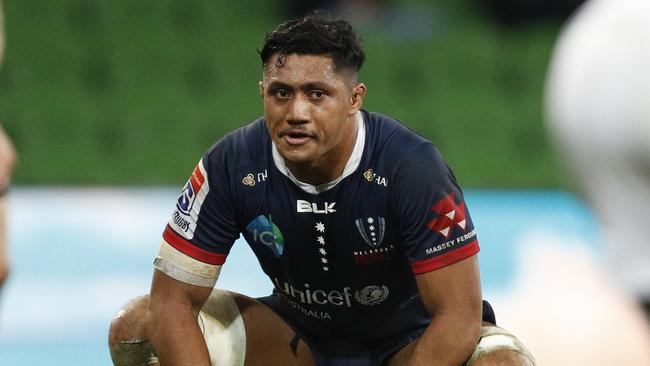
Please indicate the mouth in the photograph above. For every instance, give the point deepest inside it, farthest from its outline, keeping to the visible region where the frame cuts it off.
(296, 137)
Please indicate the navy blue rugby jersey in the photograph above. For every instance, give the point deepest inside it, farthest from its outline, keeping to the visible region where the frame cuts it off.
(343, 260)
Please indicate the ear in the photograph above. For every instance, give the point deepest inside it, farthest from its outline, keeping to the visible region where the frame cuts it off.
(261, 88)
(358, 94)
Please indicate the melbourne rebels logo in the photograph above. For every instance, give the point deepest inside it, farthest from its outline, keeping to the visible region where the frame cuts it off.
(450, 214)
(189, 192)
(371, 229)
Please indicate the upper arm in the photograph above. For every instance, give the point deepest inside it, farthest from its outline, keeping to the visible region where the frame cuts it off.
(454, 290)
(202, 227)
(439, 236)
(435, 224)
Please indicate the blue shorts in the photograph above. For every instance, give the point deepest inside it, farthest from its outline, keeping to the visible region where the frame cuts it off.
(346, 352)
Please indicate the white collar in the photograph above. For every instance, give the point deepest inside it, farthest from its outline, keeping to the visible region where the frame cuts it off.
(350, 166)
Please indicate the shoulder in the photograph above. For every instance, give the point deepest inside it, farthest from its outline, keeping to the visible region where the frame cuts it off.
(247, 144)
(391, 140)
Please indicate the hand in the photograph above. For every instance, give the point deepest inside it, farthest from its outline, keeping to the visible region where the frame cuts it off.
(8, 158)
(4, 271)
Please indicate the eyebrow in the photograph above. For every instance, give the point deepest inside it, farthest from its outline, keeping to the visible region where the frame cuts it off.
(309, 86)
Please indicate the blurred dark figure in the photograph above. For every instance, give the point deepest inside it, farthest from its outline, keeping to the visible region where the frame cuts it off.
(298, 8)
(516, 12)
(361, 10)
(393, 20)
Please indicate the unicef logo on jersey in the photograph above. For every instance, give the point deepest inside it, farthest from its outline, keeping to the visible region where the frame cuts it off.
(266, 232)
(371, 295)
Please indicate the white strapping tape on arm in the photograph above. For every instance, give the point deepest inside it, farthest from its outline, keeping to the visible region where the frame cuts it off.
(185, 268)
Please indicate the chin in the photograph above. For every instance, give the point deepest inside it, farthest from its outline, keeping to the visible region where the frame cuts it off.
(294, 156)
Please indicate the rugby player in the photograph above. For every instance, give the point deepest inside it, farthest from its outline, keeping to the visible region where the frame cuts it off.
(8, 159)
(358, 222)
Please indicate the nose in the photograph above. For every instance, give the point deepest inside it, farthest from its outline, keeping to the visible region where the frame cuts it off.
(299, 110)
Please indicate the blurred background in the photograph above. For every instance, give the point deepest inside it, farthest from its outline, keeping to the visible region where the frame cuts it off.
(110, 104)
(133, 92)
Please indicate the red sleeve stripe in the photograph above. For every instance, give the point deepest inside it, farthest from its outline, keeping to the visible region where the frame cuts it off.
(446, 259)
(197, 178)
(192, 250)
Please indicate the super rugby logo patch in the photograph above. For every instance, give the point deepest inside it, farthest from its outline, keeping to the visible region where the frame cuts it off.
(189, 192)
(189, 203)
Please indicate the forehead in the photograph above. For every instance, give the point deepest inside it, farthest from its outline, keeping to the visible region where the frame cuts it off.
(303, 68)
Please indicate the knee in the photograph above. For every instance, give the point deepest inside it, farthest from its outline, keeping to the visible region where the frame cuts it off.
(130, 322)
(497, 346)
(223, 329)
(502, 357)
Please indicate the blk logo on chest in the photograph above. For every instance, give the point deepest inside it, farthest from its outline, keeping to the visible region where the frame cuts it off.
(323, 208)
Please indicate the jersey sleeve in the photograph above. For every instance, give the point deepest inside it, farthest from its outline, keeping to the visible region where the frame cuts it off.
(434, 221)
(202, 227)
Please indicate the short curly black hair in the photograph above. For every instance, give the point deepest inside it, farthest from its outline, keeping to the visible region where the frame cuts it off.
(318, 33)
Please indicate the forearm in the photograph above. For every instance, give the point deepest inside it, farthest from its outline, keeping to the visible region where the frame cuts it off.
(448, 340)
(176, 337)
(4, 256)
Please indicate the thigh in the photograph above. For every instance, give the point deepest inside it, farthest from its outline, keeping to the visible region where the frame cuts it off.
(268, 338)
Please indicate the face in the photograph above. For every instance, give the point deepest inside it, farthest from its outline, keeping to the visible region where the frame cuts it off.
(310, 111)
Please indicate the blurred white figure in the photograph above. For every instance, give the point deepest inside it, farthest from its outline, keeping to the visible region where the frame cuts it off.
(598, 106)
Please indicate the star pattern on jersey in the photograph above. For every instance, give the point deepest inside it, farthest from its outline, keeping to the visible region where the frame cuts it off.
(371, 229)
(449, 214)
(373, 235)
(320, 239)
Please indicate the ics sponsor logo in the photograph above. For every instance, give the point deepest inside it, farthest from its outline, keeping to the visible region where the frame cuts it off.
(264, 231)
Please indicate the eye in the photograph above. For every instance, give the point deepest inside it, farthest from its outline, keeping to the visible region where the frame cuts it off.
(316, 94)
(282, 93)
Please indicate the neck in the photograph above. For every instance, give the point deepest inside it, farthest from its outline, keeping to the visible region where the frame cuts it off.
(315, 173)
